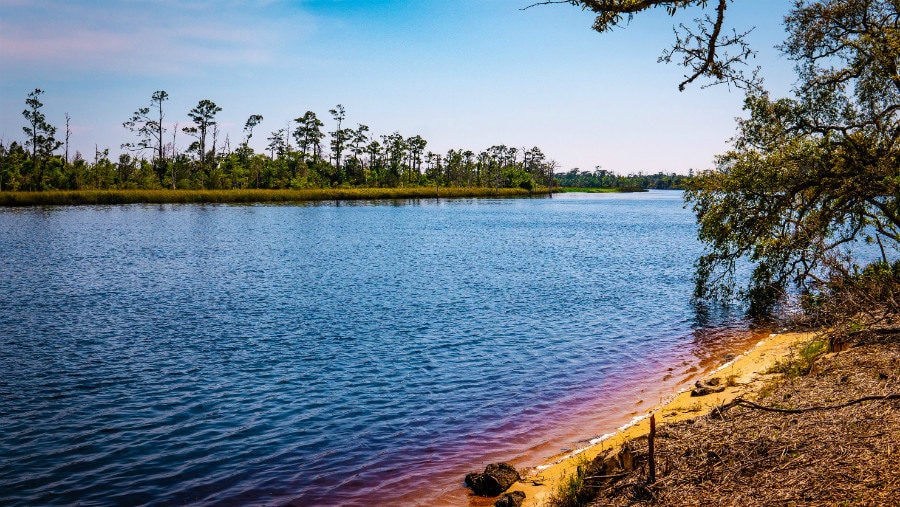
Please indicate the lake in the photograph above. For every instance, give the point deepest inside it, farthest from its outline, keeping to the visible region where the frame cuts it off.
(333, 353)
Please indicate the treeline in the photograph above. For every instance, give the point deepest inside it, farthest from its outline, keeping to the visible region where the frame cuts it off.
(601, 178)
(299, 157)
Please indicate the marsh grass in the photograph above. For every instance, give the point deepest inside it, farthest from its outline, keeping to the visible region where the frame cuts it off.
(599, 190)
(586, 190)
(243, 196)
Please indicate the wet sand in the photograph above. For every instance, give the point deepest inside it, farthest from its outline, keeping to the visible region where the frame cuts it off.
(596, 411)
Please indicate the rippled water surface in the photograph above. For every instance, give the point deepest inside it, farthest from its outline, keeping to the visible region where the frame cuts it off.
(323, 354)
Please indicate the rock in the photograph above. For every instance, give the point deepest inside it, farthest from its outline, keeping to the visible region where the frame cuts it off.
(702, 389)
(612, 466)
(512, 499)
(496, 479)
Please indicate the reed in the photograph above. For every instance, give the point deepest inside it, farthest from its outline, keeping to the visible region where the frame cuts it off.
(95, 197)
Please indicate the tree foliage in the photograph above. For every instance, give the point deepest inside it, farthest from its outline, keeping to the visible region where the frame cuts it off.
(601, 178)
(203, 117)
(41, 136)
(357, 158)
(308, 134)
(809, 175)
(147, 124)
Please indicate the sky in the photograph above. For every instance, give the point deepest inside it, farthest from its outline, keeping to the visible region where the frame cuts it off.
(461, 73)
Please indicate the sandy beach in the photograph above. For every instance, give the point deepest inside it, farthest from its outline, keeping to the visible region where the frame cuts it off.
(740, 376)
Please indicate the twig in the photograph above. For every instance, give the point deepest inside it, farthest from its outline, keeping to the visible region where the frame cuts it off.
(613, 476)
(547, 2)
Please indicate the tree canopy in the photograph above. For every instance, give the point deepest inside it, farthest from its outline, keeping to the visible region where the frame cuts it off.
(41, 135)
(357, 157)
(806, 175)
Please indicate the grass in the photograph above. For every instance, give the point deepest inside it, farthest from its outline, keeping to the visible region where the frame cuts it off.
(568, 493)
(598, 190)
(571, 492)
(93, 197)
(800, 363)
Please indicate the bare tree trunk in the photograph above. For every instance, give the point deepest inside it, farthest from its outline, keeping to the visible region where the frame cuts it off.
(215, 141)
(174, 155)
(68, 132)
(162, 155)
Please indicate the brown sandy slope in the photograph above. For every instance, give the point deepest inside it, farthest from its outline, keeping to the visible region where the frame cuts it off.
(746, 456)
(738, 454)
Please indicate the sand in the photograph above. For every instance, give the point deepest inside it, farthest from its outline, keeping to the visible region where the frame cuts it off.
(742, 376)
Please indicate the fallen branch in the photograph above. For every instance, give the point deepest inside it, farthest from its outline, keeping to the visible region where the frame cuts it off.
(749, 404)
(613, 476)
(881, 331)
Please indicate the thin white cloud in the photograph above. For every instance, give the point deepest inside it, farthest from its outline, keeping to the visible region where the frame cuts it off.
(146, 37)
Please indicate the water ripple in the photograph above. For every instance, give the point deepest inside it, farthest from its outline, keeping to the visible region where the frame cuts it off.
(319, 354)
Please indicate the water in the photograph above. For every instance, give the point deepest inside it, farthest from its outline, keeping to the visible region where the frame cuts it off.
(353, 354)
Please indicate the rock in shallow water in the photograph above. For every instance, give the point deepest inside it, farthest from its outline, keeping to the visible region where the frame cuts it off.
(495, 479)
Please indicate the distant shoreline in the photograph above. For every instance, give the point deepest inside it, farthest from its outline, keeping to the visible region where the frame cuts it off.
(258, 196)
(248, 196)
(602, 190)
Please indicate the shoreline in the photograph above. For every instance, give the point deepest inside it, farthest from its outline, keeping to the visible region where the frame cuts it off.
(598, 408)
(744, 374)
(251, 196)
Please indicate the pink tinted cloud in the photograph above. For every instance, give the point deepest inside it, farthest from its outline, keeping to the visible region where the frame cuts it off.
(131, 42)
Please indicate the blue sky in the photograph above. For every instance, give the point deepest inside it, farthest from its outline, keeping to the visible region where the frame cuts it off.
(461, 73)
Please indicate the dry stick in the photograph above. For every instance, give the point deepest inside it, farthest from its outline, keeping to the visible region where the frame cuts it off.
(750, 404)
(651, 459)
(613, 476)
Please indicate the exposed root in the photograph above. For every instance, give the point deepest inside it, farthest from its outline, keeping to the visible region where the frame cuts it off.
(739, 402)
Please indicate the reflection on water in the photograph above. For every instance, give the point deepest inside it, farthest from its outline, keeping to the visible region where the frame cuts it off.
(330, 353)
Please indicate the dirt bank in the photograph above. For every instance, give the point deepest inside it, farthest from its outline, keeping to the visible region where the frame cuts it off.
(708, 460)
